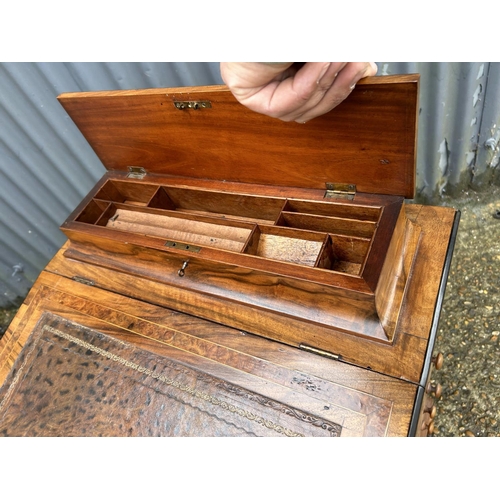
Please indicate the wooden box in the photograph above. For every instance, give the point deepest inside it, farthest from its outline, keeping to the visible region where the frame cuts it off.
(298, 234)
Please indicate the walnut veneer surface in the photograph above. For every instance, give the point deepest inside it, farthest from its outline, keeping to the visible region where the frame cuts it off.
(97, 363)
(180, 375)
(296, 315)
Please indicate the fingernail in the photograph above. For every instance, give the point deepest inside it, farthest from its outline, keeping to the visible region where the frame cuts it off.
(374, 67)
(323, 71)
(352, 86)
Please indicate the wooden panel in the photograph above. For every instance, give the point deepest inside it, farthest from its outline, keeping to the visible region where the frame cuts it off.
(199, 294)
(252, 294)
(401, 359)
(397, 272)
(289, 389)
(188, 231)
(368, 140)
(417, 311)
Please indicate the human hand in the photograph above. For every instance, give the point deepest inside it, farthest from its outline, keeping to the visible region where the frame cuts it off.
(291, 92)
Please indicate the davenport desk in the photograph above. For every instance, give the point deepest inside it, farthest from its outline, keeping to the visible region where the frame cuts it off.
(234, 275)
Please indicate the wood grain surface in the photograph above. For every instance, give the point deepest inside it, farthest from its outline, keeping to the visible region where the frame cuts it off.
(368, 140)
(310, 394)
(273, 314)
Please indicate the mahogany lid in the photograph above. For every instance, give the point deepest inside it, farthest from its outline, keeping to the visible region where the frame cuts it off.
(368, 140)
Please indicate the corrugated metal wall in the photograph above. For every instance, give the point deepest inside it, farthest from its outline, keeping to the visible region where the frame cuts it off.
(46, 167)
(459, 137)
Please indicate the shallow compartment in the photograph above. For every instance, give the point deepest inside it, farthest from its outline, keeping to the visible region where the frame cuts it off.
(92, 212)
(331, 209)
(337, 225)
(288, 245)
(130, 193)
(208, 219)
(346, 254)
(176, 228)
(256, 209)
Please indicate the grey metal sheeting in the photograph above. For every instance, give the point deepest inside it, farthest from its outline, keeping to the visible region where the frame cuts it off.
(459, 140)
(46, 167)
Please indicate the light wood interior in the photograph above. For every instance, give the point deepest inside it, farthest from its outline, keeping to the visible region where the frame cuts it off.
(180, 229)
(276, 243)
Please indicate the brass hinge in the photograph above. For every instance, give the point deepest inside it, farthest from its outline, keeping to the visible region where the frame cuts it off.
(340, 191)
(136, 172)
(192, 104)
(84, 281)
(320, 352)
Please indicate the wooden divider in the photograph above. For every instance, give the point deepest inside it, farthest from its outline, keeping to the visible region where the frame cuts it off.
(309, 233)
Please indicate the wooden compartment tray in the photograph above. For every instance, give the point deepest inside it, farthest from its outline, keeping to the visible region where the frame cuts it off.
(289, 230)
(317, 234)
(305, 247)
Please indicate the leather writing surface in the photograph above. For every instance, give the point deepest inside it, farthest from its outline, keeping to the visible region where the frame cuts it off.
(70, 380)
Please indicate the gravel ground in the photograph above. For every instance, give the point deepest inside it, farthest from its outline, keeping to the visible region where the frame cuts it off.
(6, 316)
(469, 330)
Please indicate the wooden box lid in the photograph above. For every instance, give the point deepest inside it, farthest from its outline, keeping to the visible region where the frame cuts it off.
(369, 140)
